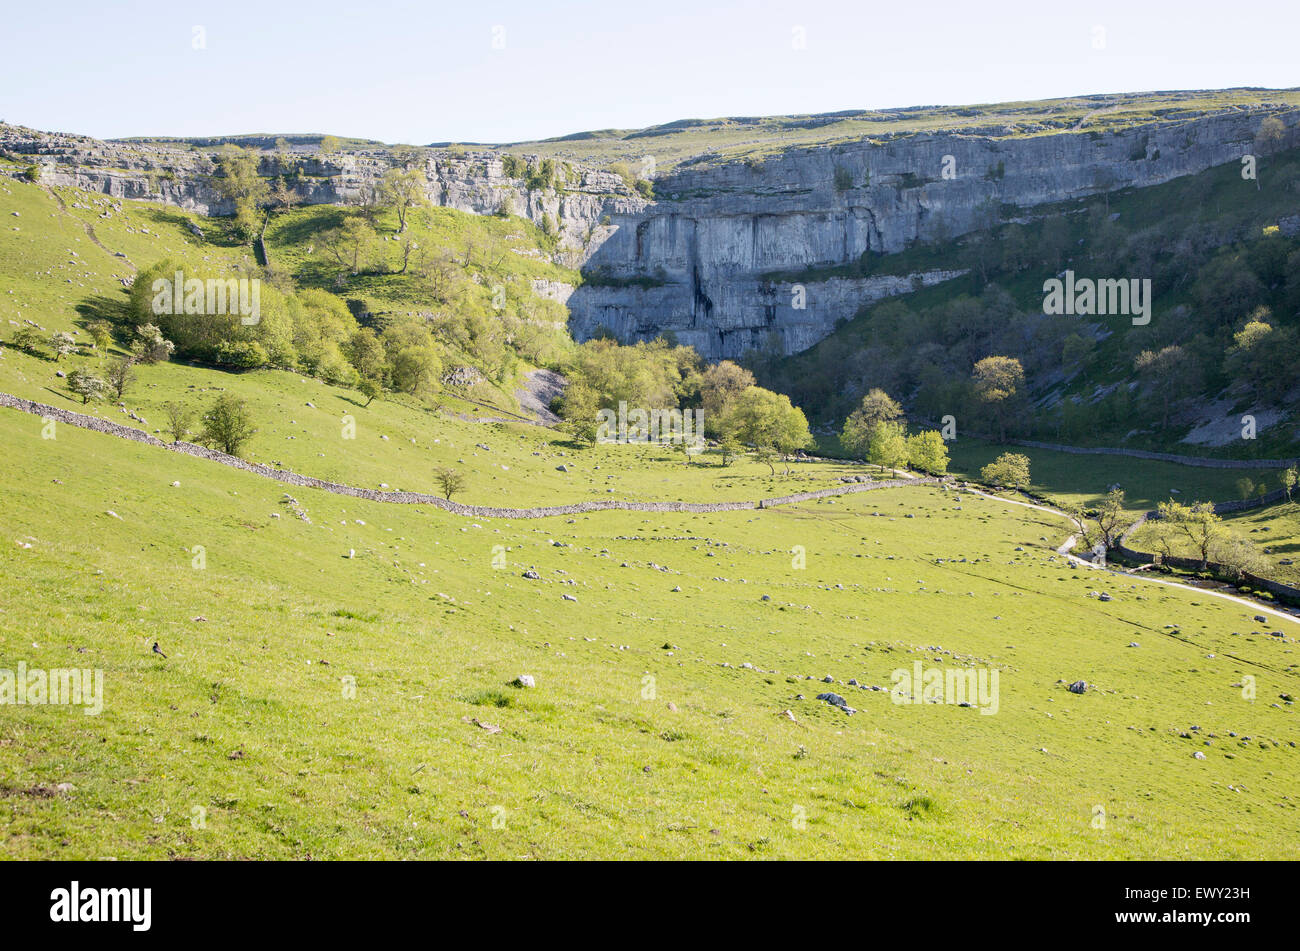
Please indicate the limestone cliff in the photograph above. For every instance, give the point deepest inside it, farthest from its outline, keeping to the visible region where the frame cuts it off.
(733, 256)
(695, 261)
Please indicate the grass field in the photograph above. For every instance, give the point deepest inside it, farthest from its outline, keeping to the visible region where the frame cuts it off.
(339, 685)
(246, 725)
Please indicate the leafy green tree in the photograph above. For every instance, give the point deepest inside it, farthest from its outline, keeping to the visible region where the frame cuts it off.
(228, 425)
(580, 410)
(1168, 373)
(719, 386)
(28, 339)
(1101, 523)
(369, 388)
(768, 422)
(887, 445)
(1010, 470)
(85, 384)
(237, 180)
(414, 358)
(179, 420)
(1289, 478)
(402, 190)
(101, 331)
(928, 452)
(512, 166)
(876, 407)
(450, 481)
(997, 382)
(1198, 522)
(365, 351)
(352, 245)
(330, 144)
(121, 375)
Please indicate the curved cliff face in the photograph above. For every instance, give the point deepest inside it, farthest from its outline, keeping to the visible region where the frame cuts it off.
(695, 261)
(731, 257)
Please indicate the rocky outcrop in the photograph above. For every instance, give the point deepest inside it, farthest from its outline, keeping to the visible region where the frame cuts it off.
(470, 181)
(701, 260)
(743, 255)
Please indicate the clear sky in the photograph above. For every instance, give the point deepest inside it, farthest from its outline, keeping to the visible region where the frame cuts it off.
(495, 71)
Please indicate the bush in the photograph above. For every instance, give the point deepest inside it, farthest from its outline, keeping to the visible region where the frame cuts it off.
(228, 425)
(1009, 470)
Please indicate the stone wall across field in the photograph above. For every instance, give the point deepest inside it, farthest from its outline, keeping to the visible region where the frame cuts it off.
(418, 498)
(1283, 592)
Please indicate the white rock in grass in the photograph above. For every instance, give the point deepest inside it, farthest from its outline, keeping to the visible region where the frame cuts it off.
(525, 680)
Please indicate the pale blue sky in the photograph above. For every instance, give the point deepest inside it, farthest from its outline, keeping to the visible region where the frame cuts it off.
(421, 72)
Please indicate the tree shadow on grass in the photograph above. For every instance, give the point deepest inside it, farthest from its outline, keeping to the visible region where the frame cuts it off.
(101, 307)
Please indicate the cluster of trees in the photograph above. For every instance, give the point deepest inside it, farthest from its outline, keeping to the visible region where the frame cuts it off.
(303, 330)
(877, 432)
(660, 374)
(1227, 316)
(1199, 528)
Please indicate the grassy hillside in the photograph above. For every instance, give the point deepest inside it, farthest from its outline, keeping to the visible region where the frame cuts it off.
(242, 743)
(337, 679)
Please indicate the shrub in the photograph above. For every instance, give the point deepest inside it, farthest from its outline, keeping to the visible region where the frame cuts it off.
(228, 425)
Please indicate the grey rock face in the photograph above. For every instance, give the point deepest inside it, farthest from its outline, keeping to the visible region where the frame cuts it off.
(728, 257)
(717, 258)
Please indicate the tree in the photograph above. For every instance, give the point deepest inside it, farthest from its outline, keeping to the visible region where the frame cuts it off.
(887, 445)
(1009, 470)
(120, 376)
(350, 245)
(876, 407)
(580, 411)
(369, 389)
(102, 333)
(86, 385)
(1167, 370)
(402, 190)
(1289, 478)
(728, 450)
(450, 481)
(1198, 522)
(997, 381)
(1271, 135)
(150, 345)
(62, 343)
(1239, 555)
(928, 452)
(239, 183)
(366, 352)
(330, 144)
(720, 384)
(1107, 518)
(768, 422)
(228, 425)
(27, 339)
(179, 420)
